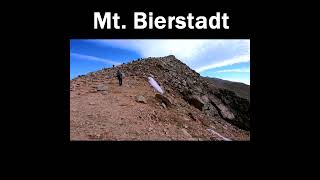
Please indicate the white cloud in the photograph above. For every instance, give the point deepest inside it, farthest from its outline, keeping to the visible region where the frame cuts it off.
(225, 62)
(246, 70)
(200, 55)
(93, 58)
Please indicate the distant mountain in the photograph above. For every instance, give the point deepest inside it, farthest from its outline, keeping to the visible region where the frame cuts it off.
(241, 89)
(192, 107)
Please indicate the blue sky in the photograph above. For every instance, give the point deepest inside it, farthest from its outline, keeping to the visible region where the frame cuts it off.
(225, 59)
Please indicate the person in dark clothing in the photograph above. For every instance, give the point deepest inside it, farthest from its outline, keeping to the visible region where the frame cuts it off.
(119, 76)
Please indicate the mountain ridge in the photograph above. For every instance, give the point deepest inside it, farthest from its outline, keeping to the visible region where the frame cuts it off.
(191, 108)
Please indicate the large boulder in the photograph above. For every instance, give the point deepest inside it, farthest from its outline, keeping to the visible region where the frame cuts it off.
(210, 110)
(195, 101)
(205, 99)
(197, 89)
(168, 101)
(224, 111)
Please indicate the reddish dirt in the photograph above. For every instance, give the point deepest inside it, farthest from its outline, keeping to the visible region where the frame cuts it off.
(114, 114)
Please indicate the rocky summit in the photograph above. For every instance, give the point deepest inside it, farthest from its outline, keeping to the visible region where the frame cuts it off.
(192, 107)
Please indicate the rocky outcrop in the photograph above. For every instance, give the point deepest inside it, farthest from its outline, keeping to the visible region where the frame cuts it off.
(165, 99)
(195, 101)
(240, 107)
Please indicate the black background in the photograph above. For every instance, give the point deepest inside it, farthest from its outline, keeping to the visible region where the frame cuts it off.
(35, 120)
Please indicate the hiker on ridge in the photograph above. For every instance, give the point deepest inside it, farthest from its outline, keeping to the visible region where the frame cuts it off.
(119, 76)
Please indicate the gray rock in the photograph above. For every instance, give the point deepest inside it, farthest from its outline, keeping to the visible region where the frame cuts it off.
(189, 82)
(163, 105)
(210, 110)
(101, 87)
(223, 110)
(184, 83)
(205, 99)
(141, 99)
(184, 131)
(197, 89)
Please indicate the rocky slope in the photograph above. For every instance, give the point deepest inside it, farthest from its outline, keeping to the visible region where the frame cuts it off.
(192, 107)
